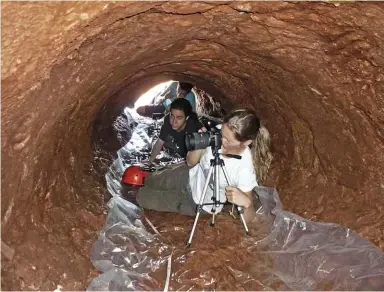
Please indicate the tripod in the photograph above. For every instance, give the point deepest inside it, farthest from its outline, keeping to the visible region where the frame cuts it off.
(214, 167)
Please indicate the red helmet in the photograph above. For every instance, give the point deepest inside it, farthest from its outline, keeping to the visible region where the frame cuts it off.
(134, 175)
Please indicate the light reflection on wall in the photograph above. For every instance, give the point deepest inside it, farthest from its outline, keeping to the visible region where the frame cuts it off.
(147, 97)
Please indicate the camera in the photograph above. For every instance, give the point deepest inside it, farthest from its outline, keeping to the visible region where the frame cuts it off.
(194, 141)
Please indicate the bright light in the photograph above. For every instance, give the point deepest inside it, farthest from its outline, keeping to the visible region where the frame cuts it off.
(147, 97)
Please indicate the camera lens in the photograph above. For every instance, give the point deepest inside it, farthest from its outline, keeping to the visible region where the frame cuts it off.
(194, 141)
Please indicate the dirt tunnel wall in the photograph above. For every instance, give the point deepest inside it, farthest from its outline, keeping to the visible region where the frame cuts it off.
(312, 71)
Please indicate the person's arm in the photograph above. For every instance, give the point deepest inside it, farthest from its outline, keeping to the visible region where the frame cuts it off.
(156, 149)
(164, 132)
(241, 191)
(243, 199)
(193, 157)
(166, 100)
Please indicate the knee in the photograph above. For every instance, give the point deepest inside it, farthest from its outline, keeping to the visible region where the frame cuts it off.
(140, 198)
(141, 110)
(149, 181)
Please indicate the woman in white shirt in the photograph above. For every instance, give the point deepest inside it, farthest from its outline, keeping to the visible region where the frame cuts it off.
(179, 189)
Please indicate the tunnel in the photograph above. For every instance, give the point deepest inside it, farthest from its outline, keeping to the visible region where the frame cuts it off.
(313, 72)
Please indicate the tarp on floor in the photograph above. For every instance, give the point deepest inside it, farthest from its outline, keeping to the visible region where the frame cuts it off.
(286, 252)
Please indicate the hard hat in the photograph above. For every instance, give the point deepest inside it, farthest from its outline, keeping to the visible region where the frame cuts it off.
(134, 175)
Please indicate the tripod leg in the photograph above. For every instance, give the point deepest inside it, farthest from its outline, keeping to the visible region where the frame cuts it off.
(193, 228)
(241, 213)
(199, 206)
(239, 209)
(216, 194)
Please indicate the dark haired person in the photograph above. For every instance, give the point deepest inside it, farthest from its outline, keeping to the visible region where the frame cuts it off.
(183, 90)
(179, 189)
(180, 120)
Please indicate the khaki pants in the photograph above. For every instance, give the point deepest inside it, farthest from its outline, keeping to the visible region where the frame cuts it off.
(168, 191)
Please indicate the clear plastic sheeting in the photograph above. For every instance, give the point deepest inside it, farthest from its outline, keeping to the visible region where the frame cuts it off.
(123, 251)
(284, 252)
(127, 156)
(136, 151)
(136, 249)
(318, 256)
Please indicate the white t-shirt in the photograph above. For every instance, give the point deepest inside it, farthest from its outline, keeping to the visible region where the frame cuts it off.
(240, 171)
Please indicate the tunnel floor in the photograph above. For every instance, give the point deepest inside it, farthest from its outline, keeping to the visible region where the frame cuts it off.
(137, 249)
(284, 252)
(56, 253)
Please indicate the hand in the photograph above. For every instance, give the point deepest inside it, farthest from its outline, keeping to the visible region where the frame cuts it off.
(149, 163)
(237, 197)
(203, 130)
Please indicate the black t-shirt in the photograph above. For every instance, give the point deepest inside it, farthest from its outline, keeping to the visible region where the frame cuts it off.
(174, 140)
